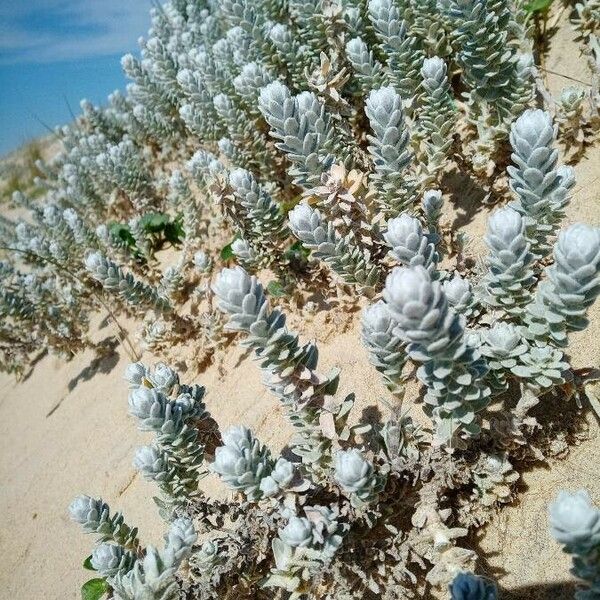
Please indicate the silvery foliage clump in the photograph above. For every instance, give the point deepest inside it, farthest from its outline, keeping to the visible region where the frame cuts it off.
(432, 205)
(541, 188)
(452, 370)
(202, 261)
(460, 295)
(172, 282)
(175, 414)
(305, 540)
(387, 351)
(301, 124)
(368, 70)
(110, 559)
(134, 293)
(400, 48)
(409, 244)
(356, 477)
(438, 114)
(575, 523)
(272, 97)
(153, 576)
(489, 63)
(304, 546)
(570, 115)
(289, 367)
(389, 149)
(494, 476)
(570, 287)
(184, 199)
(250, 86)
(94, 517)
(353, 264)
(510, 277)
(131, 571)
(257, 217)
(244, 464)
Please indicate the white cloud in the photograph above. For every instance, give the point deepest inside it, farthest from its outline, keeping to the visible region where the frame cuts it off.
(54, 30)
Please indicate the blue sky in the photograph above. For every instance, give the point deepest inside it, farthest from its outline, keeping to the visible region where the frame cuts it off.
(55, 52)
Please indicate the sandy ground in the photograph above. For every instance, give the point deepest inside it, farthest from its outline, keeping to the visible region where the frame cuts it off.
(65, 431)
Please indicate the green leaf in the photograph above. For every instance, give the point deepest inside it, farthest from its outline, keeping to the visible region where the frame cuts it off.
(174, 233)
(122, 232)
(154, 222)
(227, 253)
(276, 289)
(538, 6)
(87, 563)
(298, 248)
(94, 589)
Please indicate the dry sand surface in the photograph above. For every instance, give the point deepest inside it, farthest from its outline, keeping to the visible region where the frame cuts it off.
(66, 431)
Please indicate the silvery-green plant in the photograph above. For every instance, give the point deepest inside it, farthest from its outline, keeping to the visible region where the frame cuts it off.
(153, 576)
(432, 205)
(409, 244)
(570, 118)
(183, 199)
(289, 52)
(124, 166)
(509, 279)
(585, 17)
(539, 186)
(245, 134)
(142, 242)
(570, 287)
(244, 253)
(172, 283)
(541, 368)
(251, 79)
(244, 464)
(110, 559)
(437, 115)
(504, 346)
(304, 547)
(487, 61)
(493, 478)
(356, 477)
(368, 70)
(174, 413)
(202, 261)
(389, 148)
(94, 517)
(452, 371)
(351, 263)
(259, 215)
(387, 351)
(135, 293)
(207, 557)
(399, 46)
(575, 523)
(288, 366)
(303, 130)
(460, 295)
